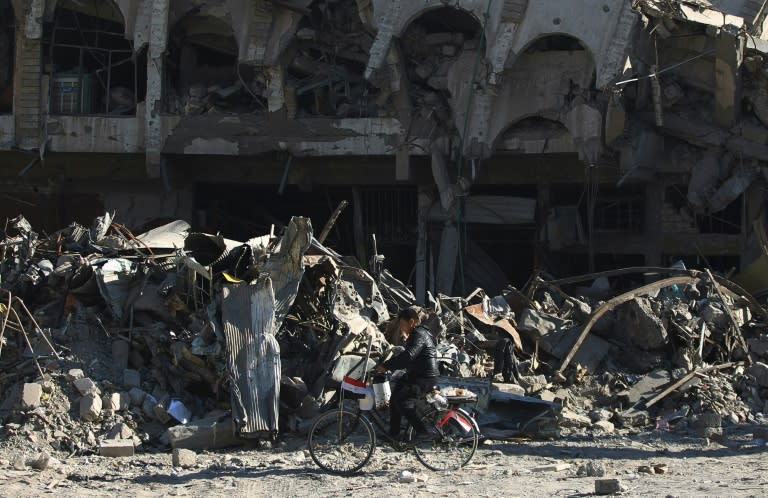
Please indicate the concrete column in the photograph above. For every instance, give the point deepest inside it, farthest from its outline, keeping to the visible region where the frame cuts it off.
(446, 263)
(654, 238)
(727, 62)
(154, 133)
(27, 91)
(424, 203)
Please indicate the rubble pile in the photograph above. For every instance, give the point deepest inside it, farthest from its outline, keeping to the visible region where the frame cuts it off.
(190, 339)
(111, 341)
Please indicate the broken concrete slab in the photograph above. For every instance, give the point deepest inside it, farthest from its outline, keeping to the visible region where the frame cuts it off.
(86, 386)
(30, 395)
(117, 448)
(535, 324)
(759, 371)
(640, 323)
(608, 486)
(591, 353)
(183, 458)
(90, 407)
(648, 386)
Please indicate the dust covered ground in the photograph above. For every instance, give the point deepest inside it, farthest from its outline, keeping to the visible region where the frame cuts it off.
(691, 466)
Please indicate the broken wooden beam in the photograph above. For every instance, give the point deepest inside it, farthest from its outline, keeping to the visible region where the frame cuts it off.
(682, 380)
(612, 303)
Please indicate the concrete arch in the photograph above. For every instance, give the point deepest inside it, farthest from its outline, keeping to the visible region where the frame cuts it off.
(120, 7)
(497, 140)
(602, 27)
(424, 10)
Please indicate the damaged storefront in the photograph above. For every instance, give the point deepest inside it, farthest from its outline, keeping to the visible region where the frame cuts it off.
(280, 178)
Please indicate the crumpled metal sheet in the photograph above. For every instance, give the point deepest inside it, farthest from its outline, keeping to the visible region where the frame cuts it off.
(114, 280)
(168, 236)
(286, 266)
(253, 354)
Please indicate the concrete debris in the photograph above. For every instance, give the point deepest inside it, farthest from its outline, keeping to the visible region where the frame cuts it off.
(608, 487)
(183, 458)
(208, 341)
(116, 448)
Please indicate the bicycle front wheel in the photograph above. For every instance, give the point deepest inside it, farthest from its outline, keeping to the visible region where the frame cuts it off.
(455, 446)
(341, 441)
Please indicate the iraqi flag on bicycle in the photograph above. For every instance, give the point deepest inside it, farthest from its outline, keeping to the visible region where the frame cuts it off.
(356, 386)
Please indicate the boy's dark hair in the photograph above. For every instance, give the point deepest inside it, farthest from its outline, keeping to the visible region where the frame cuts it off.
(408, 314)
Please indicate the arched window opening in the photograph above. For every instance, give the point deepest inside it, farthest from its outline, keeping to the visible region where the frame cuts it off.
(203, 74)
(92, 66)
(7, 55)
(430, 45)
(326, 63)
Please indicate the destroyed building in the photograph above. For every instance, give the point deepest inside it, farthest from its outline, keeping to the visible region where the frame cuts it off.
(476, 140)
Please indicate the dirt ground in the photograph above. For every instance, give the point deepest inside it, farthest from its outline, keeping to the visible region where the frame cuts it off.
(694, 467)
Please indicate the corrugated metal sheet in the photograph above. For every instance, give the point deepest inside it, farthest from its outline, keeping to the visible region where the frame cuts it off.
(248, 313)
(252, 313)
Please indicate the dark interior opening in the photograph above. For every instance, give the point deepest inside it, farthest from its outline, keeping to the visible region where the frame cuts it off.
(94, 67)
(203, 75)
(429, 44)
(326, 63)
(240, 212)
(7, 55)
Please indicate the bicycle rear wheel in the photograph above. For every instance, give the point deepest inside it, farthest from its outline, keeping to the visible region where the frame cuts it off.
(341, 441)
(454, 448)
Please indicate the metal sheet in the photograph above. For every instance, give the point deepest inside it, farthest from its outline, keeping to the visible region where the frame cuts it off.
(286, 267)
(248, 313)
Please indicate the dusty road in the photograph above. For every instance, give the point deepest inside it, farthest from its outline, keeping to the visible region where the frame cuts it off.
(694, 467)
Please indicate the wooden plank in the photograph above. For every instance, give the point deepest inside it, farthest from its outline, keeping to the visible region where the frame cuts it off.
(682, 380)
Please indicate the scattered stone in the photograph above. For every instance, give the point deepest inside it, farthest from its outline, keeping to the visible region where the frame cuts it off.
(608, 486)
(19, 462)
(184, 458)
(75, 374)
(533, 383)
(569, 418)
(408, 477)
(136, 396)
(116, 402)
(90, 407)
(43, 461)
(131, 378)
(601, 414)
(116, 448)
(30, 395)
(660, 468)
(760, 372)
(120, 431)
(86, 386)
(48, 386)
(603, 426)
(591, 469)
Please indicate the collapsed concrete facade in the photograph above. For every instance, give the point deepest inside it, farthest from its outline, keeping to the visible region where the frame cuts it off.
(477, 140)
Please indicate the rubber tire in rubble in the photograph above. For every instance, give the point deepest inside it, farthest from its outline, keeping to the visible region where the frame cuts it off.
(435, 455)
(341, 441)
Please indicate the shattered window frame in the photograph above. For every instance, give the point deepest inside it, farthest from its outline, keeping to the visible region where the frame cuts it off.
(99, 44)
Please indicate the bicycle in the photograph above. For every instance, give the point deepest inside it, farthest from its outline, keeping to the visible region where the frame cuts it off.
(343, 440)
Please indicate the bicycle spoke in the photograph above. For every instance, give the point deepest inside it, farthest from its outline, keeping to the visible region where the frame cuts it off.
(341, 441)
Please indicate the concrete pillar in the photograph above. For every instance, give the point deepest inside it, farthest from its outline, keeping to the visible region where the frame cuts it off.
(424, 204)
(446, 263)
(654, 203)
(27, 91)
(154, 133)
(727, 62)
